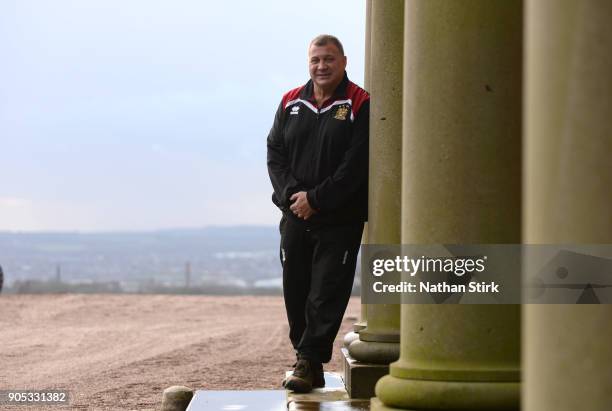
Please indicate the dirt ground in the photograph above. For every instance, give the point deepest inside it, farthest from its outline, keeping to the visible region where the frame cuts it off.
(119, 352)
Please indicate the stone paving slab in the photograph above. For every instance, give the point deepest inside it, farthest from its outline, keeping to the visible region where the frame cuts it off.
(331, 398)
(263, 400)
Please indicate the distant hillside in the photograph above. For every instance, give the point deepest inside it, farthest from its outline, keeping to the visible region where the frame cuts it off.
(224, 255)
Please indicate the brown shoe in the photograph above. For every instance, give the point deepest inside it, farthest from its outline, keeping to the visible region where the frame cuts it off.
(306, 376)
(286, 378)
(318, 380)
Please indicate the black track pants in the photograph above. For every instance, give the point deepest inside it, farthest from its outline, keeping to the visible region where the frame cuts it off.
(318, 271)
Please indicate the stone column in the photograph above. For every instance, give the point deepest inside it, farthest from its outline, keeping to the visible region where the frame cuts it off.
(568, 181)
(461, 183)
(363, 316)
(379, 342)
(366, 85)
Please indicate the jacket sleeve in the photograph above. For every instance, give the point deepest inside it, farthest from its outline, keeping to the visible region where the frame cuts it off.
(351, 174)
(283, 182)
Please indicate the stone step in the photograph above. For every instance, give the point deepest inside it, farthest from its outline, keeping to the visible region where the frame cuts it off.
(331, 398)
(263, 400)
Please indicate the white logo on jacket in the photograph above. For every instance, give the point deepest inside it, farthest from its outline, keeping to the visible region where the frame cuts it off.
(295, 110)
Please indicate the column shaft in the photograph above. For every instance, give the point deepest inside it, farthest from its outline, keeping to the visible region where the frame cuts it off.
(460, 184)
(568, 197)
(384, 216)
(366, 85)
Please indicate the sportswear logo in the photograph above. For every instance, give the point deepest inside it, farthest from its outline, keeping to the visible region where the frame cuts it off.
(341, 112)
(295, 110)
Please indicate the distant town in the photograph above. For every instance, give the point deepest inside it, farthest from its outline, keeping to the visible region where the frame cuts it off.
(211, 260)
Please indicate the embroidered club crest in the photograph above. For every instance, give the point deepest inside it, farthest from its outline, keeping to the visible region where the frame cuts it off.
(341, 112)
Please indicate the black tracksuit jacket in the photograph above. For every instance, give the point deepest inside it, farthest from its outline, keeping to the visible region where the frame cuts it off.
(323, 151)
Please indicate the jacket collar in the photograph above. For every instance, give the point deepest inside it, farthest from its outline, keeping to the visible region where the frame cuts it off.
(339, 93)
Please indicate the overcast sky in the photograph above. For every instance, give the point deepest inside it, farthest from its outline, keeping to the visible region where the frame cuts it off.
(144, 115)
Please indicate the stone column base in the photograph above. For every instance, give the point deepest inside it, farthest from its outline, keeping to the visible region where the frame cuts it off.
(349, 338)
(360, 378)
(373, 352)
(360, 326)
(448, 395)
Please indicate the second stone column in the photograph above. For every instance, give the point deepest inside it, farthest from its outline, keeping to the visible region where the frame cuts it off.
(461, 184)
(378, 343)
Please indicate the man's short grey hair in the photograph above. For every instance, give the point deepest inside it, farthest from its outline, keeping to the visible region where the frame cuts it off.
(324, 39)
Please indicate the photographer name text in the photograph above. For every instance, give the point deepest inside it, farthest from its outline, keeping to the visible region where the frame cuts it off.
(441, 287)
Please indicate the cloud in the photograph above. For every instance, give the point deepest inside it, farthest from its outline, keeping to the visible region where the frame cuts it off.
(14, 202)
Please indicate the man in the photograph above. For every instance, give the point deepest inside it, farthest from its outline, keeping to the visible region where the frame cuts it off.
(318, 165)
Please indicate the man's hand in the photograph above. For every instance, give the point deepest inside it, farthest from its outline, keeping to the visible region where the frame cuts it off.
(300, 206)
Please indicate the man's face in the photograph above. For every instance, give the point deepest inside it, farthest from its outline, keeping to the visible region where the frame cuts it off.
(326, 66)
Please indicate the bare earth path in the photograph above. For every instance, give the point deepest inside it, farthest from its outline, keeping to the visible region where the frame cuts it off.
(119, 352)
